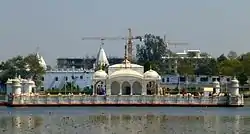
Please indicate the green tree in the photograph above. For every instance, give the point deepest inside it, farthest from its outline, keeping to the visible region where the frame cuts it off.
(26, 67)
(230, 67)
(185, 67)
(207, 66)
(232, 55)
(221, 58)
(152, 51)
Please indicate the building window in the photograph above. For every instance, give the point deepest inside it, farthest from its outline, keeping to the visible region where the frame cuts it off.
(56, 78)
(72, 77)
(228, 79)
(66, 78)
(81, 77)
(163, 80)
(214, 79)
(203, 79)
(167, 79)
(42, 78)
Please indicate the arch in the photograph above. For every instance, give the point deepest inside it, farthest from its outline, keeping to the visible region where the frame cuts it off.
(151, 87)
(137, 88)
(115, 88)
(126, 88)
(100, 87)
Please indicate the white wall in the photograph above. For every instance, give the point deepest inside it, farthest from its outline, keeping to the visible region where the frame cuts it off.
(84, 78)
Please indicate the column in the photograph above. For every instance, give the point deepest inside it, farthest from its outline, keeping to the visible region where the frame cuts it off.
(108, 87)
(131, 88)
(94, 82)
(120, 93)
(144, 88)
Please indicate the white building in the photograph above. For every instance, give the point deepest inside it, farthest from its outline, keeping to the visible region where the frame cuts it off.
(126, 79)
(55, 79)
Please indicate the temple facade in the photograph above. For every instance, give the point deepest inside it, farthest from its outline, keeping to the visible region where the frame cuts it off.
(126, 78)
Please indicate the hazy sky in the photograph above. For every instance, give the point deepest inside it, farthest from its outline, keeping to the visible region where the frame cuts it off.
(214, 26)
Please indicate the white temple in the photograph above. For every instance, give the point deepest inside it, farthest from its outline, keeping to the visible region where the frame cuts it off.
(41, 61)
(18, 86)
(126, 79)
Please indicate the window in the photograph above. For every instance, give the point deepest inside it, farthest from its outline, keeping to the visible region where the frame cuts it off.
(213, 79)
(56, 78)
(228, 79)
(72, 77)
(81, 77)
(163, 80)
(42, 78)
(167, 79)
(182, 79)
(204, 79)
(218, 79)
(66, 78)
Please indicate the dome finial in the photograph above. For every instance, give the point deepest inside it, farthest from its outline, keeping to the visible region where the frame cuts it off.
(100, 66)
(150, 67)
(125, 55)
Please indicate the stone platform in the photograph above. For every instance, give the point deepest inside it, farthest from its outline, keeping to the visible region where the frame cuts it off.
(123, 100)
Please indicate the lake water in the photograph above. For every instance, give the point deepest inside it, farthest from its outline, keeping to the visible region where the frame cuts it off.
(125, 120)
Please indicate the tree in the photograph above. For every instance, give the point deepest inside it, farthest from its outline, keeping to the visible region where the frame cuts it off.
(231, 67)
(207, 66)
(232, 55)
(152, 51)
(26, 67)
(221, 58)
(185, 67)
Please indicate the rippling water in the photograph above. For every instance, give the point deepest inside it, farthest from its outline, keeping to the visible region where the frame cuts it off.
(124, 120)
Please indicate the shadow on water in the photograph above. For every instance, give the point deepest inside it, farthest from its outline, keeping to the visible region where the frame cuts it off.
(121, 120)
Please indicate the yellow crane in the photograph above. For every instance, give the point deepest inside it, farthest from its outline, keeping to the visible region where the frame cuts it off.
(129, 39)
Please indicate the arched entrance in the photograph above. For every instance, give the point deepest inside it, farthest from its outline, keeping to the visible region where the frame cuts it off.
(126, 88)
(100, 88)
(151, 88)
(115, 88)
(137, 88)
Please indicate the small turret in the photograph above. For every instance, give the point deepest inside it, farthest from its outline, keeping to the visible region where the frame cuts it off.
(9, 86)
(216, 86)
(234, 87)
(16, 86)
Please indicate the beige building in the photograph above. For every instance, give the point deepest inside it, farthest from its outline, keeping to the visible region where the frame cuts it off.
(125, 78)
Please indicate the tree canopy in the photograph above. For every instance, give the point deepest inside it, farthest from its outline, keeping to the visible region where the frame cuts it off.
(26, 67)
(153, 49)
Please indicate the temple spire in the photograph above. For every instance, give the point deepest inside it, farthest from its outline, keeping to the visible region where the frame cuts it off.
(125, 56)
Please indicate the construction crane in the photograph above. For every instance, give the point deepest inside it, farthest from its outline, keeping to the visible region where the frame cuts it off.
(168, 43)
(129, 41)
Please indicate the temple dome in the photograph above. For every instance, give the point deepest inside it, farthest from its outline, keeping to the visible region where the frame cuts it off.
(101, 58)
(127, 72)
(41, 61)
(100, 74)
(152, 75)
(234, 81)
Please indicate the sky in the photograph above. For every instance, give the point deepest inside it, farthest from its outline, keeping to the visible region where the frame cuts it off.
(57, 26)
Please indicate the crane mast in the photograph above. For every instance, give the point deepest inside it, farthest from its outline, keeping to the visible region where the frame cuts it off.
(129, 39)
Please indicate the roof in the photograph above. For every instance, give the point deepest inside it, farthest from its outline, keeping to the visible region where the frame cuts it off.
(121, 65)
(101, 57)
(100, 74)
(151, 74)
(126, 72)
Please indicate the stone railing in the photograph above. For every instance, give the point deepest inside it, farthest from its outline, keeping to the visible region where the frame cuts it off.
(123, 99)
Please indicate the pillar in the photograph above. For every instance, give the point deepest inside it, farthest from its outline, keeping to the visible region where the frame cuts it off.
(234, 87)
(144, 88)
(120, 93)
(94, 87)
(216, 86)
(108, 87)
(131, 88)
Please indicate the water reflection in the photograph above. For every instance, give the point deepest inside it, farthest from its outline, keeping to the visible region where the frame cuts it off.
(123, 124)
